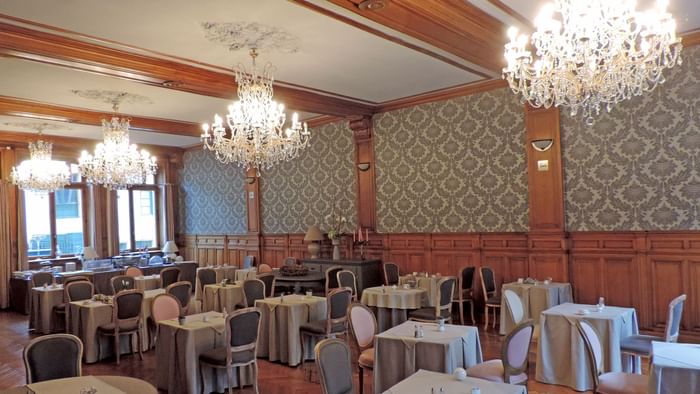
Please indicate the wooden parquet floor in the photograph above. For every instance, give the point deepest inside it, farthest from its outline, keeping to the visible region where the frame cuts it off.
(274, 378)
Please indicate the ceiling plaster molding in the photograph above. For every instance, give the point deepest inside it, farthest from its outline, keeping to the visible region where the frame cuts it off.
(242, 35)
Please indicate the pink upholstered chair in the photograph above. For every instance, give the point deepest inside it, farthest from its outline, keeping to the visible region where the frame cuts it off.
(512, 367)
(363, 325)
(264, 268)
(165, 306)
(134, 272)
(610, 382)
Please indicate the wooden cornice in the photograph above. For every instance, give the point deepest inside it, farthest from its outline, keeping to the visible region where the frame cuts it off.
(32, 109)
(443, 94)
(321, 120)
(691, 38)
(28, 44)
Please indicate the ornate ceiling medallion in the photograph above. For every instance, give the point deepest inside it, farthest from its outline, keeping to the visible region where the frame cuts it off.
(245, 35)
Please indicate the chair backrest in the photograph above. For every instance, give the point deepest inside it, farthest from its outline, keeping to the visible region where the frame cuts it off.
(206, 276)
(465, 280)
(332, 278)
(253, 289)
(127, 305)
(363, 325)
(121, 283)
(242, 328)
(168, 276)
(391, 274)
(40, 357)
(337, 302)
(334, 366)
(291, 261)
(675, 314)
(165, 306)
(78, 291)
(446, 288)
(248, 261)
(42, 278)
(133, 271)
(594, 349)
(182, 291)
(515, 306)
(269, 280)
(346, 278)
(264, 268)
(516, 348)
(488, 281)
(74, 278)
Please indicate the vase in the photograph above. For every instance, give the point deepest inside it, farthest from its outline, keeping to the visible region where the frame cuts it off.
(336, 249)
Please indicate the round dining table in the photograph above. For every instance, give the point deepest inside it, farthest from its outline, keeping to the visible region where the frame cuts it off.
(75, 385)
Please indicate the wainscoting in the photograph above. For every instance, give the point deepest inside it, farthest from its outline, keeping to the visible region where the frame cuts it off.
(644, 270)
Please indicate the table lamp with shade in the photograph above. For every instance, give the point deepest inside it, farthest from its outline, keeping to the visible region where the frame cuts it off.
(313, 236)
(89, 253)
(169, 250)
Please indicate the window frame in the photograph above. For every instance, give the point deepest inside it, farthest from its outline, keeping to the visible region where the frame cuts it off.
(156, 212)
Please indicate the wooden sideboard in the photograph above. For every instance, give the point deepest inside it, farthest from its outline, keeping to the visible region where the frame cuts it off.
(367, 272)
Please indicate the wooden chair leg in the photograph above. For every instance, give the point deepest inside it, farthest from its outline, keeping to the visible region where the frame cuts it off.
(471, 307)
(362, 379)
(229, 379)
(201, 379)
(494, 317)
(117, 349)
(255, 376)
(486, 312)
(240, 379)
(139, 343)
(461, 312)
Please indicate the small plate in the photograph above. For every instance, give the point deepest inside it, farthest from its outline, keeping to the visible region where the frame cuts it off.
(582, 312)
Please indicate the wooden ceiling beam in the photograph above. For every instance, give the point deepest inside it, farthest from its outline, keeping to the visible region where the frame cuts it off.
(28, 44)
(12, 106)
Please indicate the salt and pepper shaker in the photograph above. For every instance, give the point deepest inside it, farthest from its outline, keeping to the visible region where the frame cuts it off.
(416, 332)
(601, 304)
(282, 298)
(476, 390)
(441, 325)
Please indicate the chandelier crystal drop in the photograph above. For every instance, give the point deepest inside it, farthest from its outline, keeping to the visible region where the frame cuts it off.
(40, 173)
(256, 124)
(599, 52)
(116, 163)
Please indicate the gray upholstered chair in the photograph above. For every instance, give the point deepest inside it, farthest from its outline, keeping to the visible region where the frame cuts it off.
(491, 299)
(335, 323)
(121, 283)
(206, 276)
(269, 280)
(126, 320)
(443, 309)
(74, 278)
(248, 262)
(253, 289)
(168, 276)
(346, 278)
(78, 291)
(465, 292)
(40, 357)
(363, 326)
(242, 330)
(610, 382)
(335, 368)
(332, 278)
(391, 274)
(640, 345)
(183, 292)
(511, 368)
(40, 279)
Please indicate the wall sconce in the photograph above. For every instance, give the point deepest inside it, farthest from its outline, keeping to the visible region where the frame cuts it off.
(363, 166)
(542, 145)
(250, 180)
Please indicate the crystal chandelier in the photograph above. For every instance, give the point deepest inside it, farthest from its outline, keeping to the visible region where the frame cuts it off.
(116, 164)
(600, 52)
(256, 123)
(40, 173)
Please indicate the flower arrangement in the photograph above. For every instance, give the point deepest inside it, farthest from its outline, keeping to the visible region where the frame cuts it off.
(336, 224)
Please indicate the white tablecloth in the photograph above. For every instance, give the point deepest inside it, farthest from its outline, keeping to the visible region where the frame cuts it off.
(217, 297)
(41, 316)
(148, 282)
(392, 305)
(536, 298)
(246, 273)
(422, 382)
(561, 355)
(675, 368)
(398, 354)
(222, 272)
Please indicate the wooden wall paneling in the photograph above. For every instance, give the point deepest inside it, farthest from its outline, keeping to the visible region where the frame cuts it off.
(506, 254)
(211, 249)
(365, 171)
(240, 246)
(188, 247)
(252, 198)
(275, 248)
(451, 252)
(374, 249)
(410, 251)
(547, 257)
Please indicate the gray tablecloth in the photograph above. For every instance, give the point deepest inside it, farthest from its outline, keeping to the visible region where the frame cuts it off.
(398, 354)
(422, 382)
(217, 297)
(177, 354)
(41, 316)
(246, 273)
(675, 368)
(103, 384)
(148, 282)
(429, 284)
(279, 327)
(536, 298)
(222, 272)
(561, 355)
(391, 305)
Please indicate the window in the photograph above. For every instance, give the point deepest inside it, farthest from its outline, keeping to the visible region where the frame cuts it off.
(138, 218)
(55, 222)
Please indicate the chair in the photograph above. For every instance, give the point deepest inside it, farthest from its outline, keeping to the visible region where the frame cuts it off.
(512, 367)
(640, 345)
(183, 292)
(347, 279)
(253, 289)
(248, 261)
(126, 320)
(491, 299)
(168, 276)
(269, 280)
(610, 382)
(74, 278)
(40, 357)
(121, 283)
(515, 306)
(78, 291)
(336, 321)
(40, 279)
(242, 330)
(443, 310)
(206, 276)
(165, 306)
(264, 268)
(291, 261)
(332, 277)
(133, 271)
(335, 368)
(465, 292)
(363, 325)
(391, 274)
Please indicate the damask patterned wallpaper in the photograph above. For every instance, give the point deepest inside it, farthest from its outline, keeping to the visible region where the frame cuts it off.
(638, 167)
(301, 192)
(212, 196)
(453, 166)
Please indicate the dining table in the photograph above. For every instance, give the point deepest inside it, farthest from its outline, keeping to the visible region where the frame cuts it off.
(75, 385)
(675, 368)
(221, 271)
(561, 355)
(147, 282)
(280, 320)
(246, 273)
(310, 280)
(536, 297)
(392, 303)
(43, 299)
(399, 353)
(222, 298)
(426, 382)
(427, 282)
